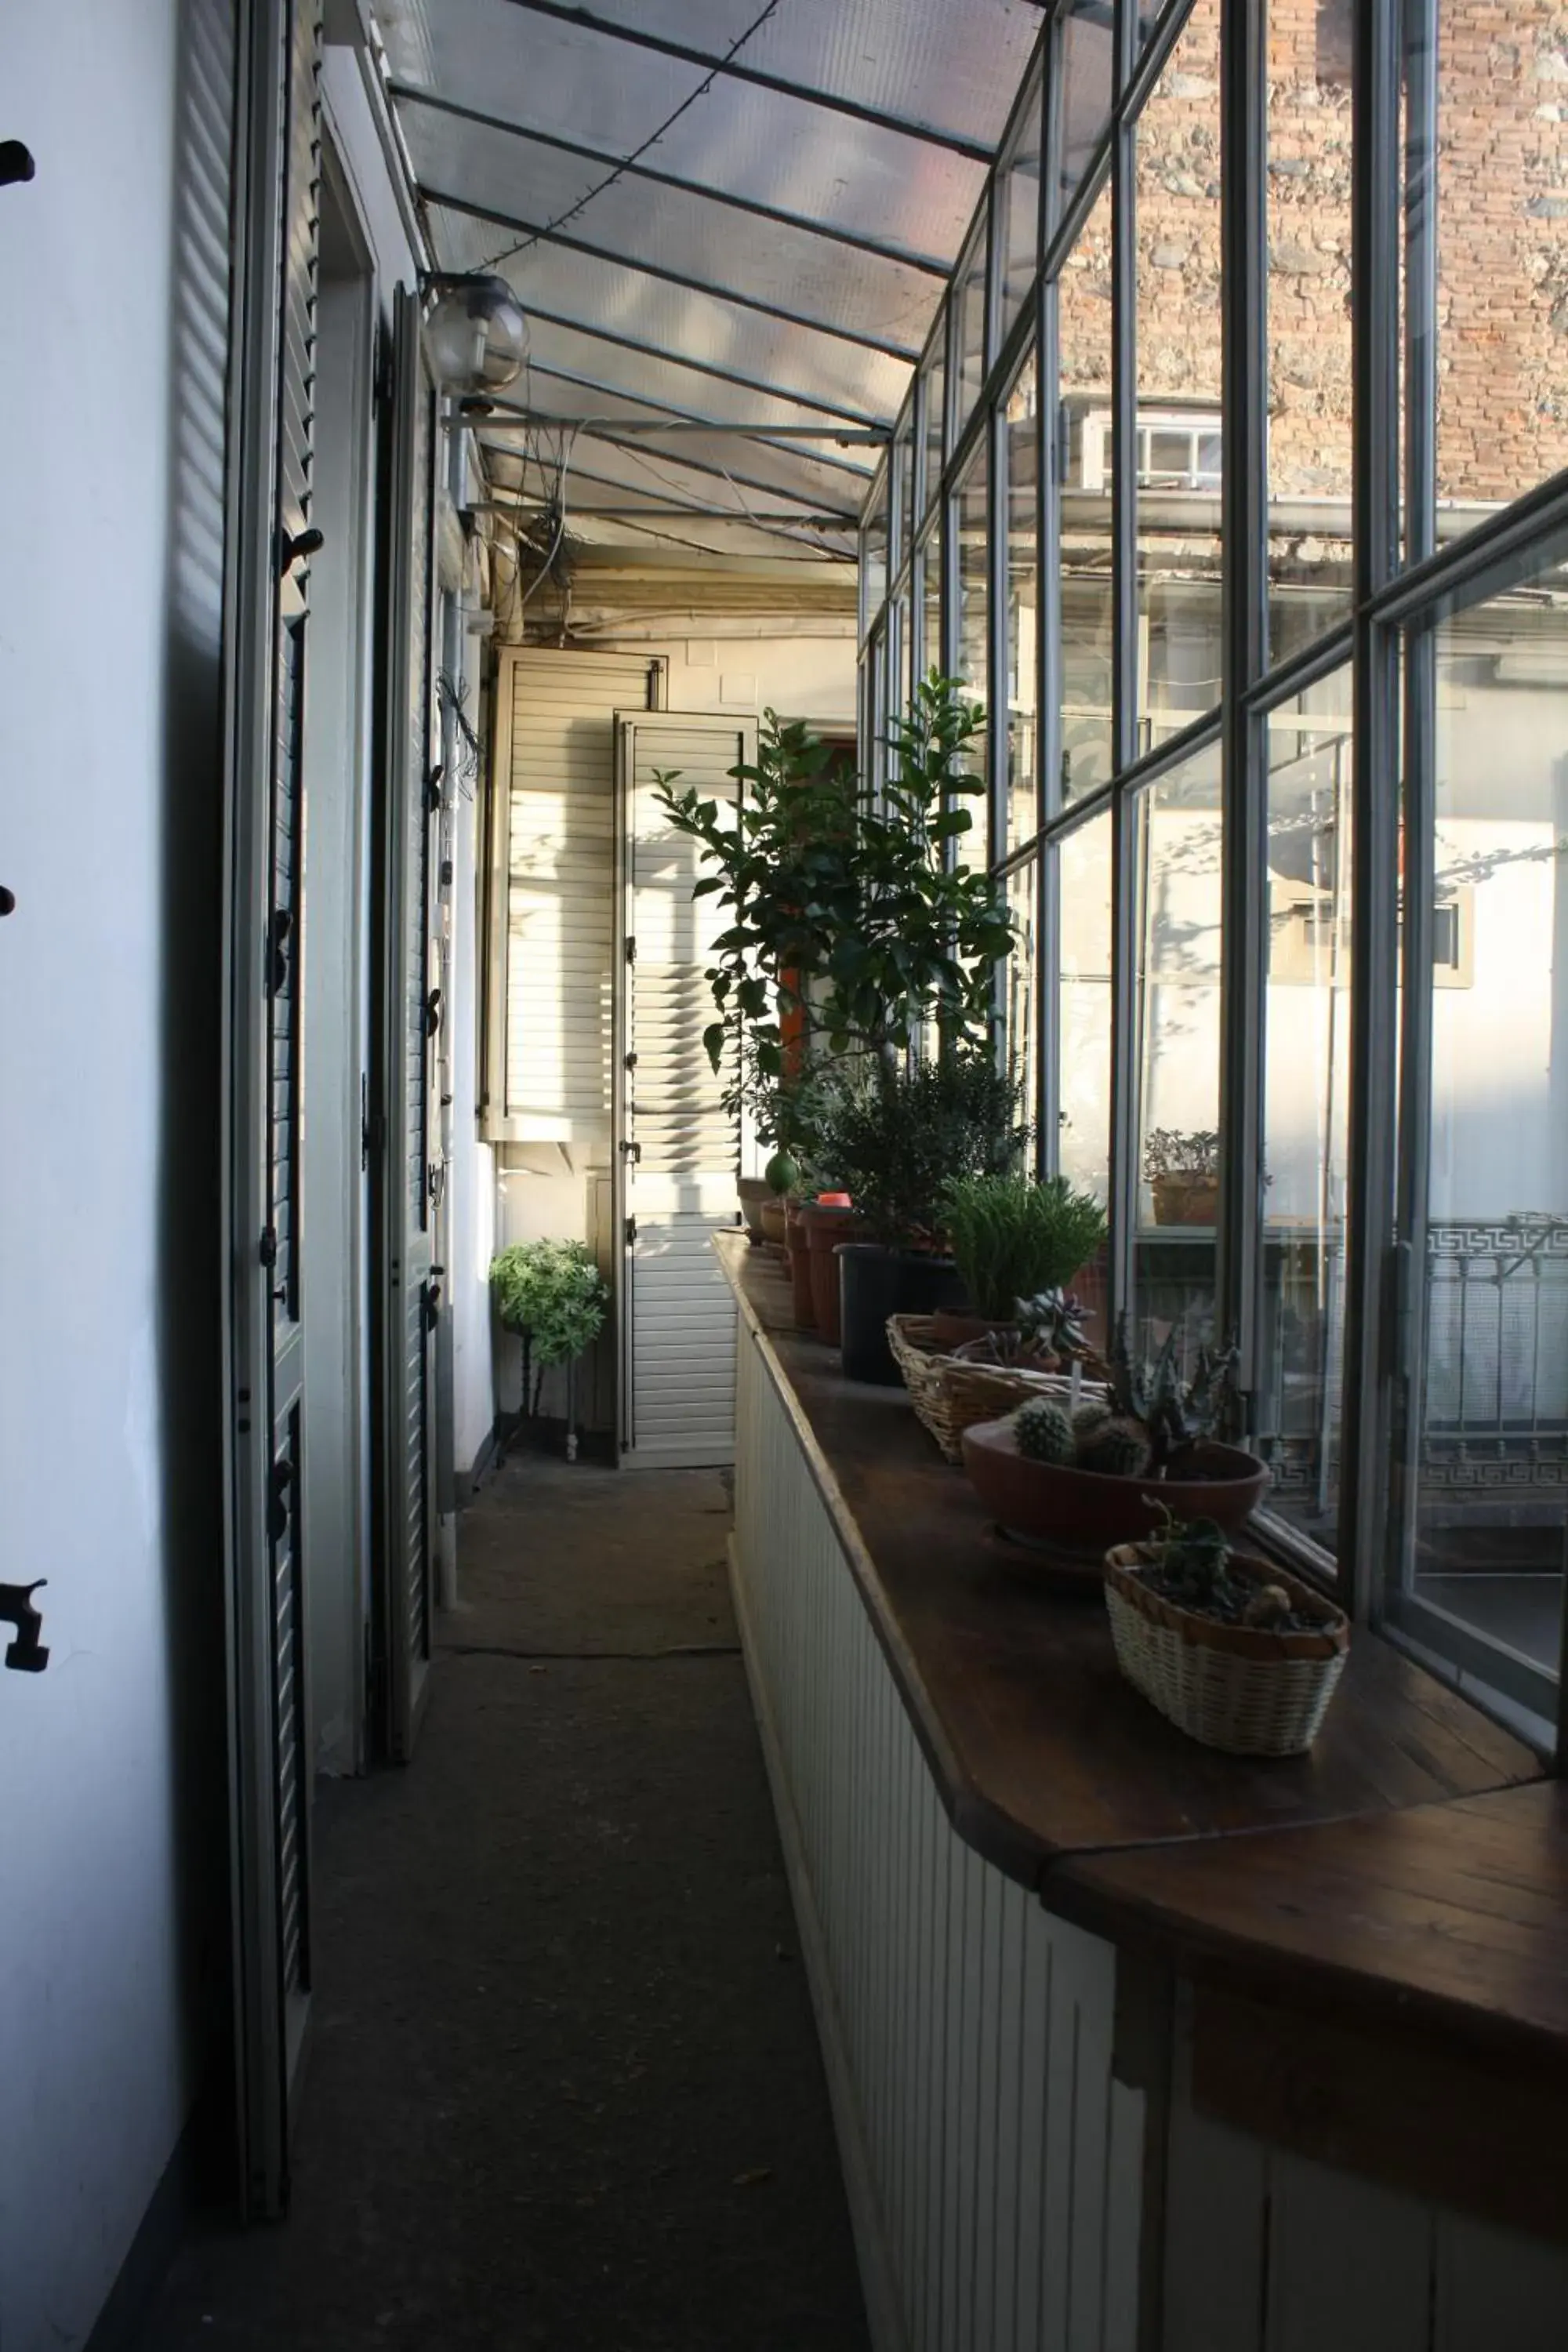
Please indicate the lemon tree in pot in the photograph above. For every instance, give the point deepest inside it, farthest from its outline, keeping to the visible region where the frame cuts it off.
(1017, 1242)
(1105, 1474)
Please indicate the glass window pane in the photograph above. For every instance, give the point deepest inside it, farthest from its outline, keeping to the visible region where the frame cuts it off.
(899, 657)
(1310, 582)
(929, 591)
(933, 377)
(1178, 380)
(903, 474)
(1083, 877)
(1018, 984)
(874, 551)
(1502, 254)
(1088, 82)
(1300, 1344)
(1020, 212)
(1178, 1054)
(1486, 1468)
(1023, 603)
(971, 520)
(968, 326)
(1084, 461)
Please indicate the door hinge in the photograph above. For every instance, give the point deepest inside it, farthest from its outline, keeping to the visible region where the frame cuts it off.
(631, 951)
(277, 1499)
(631, 1232)
(433, 790)
(433, 1013)
(269, 1244)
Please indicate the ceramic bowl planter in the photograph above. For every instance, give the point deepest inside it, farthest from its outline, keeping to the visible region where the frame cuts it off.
(1084, 1512)
(1249, 1690)
(825, 1225)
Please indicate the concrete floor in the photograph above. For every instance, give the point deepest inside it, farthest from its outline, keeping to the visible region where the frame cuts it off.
(564, 2089)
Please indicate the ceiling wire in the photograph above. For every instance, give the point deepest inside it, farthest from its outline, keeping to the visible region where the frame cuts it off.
(525, 244)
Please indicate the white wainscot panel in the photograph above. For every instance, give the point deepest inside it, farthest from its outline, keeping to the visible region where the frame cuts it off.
(994, 2165)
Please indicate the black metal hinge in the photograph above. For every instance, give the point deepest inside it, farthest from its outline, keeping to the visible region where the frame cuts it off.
(631, 951)
(268, 1246)
(631, 1232)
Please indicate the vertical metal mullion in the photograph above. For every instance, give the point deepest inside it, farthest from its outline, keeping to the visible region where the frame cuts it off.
(1375, 815)
(1125, 896)
(999, 525)
(1240, 1282)
(1047, 737)
(1418, 671)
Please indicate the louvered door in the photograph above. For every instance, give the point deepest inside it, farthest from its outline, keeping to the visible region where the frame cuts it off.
(274, 451)
(677, 1150)
(408, 1016)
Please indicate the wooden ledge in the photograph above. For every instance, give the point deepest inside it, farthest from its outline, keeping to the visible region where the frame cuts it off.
(1418, 1859)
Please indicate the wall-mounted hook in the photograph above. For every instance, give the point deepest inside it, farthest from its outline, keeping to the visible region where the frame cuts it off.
(297, 547)
(15, 163)
(26, 1655)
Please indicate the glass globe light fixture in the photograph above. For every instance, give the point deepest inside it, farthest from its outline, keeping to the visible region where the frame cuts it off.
(475, 335)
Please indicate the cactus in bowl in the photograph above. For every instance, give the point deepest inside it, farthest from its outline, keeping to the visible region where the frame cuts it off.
(1043, 1432)
(1115, 1448)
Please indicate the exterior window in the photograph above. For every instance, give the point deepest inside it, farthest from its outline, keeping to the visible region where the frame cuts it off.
(1022, 1042)
(1084, 458)
(1178, 374)
(1019, 214)
(932, 407)
(1482, 1457)
(972, 523)
(968, 327)
(874, 551)
(1088, 83)
(1022, 446)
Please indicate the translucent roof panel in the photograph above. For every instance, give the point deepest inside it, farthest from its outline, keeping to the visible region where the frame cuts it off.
(760, 238)
(883, 303)
(600, 476)
(804, 161)
(845, 378)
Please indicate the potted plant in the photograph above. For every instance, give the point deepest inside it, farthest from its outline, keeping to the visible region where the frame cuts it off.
(1014, 1241)
(891, 1138)
(554, 1296)
(1182, 1171)
(1103, 1474)
(1232, 1650)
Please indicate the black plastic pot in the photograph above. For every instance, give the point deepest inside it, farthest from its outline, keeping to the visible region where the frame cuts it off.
(874, 1283)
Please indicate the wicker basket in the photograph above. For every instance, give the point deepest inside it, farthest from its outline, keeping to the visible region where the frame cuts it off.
(1237, 1687)
(951, 1395)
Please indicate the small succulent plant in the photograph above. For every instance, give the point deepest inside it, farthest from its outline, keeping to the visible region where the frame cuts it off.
(1043, 1432)
(1115, 1448)
(1176, 1413)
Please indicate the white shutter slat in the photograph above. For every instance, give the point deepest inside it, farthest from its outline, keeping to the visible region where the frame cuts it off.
(680, 1186)
(559, 882)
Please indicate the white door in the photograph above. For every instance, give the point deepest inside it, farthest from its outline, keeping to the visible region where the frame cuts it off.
(677, 1150)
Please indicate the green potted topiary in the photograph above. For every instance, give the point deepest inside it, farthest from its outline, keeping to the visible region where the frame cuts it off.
(1013, 1240)
(891, 1138)
(554, 1296)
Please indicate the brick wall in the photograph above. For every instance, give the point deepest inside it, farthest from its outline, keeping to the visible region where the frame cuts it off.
(1503, 302)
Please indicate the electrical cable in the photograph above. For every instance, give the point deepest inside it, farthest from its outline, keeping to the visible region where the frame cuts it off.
(525, 244)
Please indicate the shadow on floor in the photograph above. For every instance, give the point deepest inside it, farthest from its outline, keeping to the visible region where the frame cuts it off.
(564, 2089)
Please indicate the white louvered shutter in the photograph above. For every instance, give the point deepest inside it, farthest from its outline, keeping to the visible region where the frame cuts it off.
(549, 1075)
(677, 1150)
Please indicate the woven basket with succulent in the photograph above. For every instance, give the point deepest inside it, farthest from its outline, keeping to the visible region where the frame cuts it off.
(987, 1378)
(1232, 1650)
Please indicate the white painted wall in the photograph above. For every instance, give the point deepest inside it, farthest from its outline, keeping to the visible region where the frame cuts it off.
(109, 619)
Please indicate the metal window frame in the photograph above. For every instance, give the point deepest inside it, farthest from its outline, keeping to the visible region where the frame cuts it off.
(1411, 572)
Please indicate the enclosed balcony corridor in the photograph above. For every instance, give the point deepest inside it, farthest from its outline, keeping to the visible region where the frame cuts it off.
(564, 2088)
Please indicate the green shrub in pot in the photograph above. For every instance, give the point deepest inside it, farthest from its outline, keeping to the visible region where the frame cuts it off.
(894, 1135)
(1014, 1239)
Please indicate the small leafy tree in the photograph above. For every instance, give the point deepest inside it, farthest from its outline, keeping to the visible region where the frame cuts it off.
(893, 1135)
(553, 1295)
(855, 917)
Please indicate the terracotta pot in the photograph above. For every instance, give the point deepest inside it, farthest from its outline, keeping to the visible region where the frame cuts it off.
(1186, 1199)
(771, 1216)
(825, 1226)
(754, 1192)
(799, 1249)
(1047, 1502)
